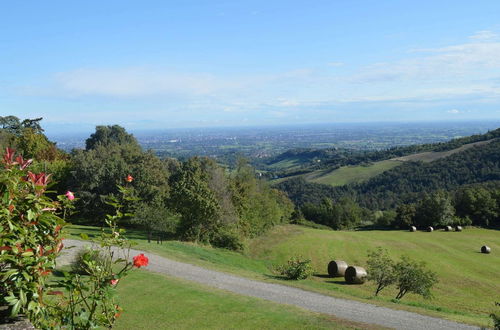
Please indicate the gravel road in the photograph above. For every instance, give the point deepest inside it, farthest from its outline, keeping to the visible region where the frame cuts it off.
(341, 308)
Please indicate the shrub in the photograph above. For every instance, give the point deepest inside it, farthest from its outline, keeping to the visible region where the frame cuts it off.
(86, 259)
(380, 269)
(413, 277)
(228, 239)
(296, 268)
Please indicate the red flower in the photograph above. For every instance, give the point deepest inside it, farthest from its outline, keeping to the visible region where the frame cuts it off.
(129, 178)
(140, 260)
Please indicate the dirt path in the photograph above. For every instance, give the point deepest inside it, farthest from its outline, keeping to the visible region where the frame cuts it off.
(342, 308)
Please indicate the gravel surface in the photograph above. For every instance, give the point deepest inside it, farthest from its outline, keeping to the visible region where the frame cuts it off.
(342, 308)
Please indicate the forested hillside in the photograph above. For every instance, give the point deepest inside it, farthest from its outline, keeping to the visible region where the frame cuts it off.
(463, 188)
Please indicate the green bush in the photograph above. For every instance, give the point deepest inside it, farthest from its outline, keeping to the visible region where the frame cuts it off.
(228, 240)
(296, 268)
(85, 259)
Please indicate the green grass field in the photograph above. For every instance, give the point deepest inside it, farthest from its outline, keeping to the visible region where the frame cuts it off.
(351, 174)
(346, 174)
(153, 301)
(468, 280)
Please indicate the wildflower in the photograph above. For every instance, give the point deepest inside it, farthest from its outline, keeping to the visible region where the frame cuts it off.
(129, 178)
(140, 260)
(114, 281)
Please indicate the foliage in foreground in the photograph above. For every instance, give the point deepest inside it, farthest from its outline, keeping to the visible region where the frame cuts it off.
(30, 242)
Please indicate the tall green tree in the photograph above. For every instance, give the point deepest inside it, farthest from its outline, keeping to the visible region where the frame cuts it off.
(196, 203)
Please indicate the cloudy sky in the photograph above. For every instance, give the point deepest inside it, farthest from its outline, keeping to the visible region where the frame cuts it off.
(161, 64)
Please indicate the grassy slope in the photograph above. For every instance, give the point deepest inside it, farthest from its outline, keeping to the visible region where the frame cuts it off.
(468, 283)
(351, 174)
(153, 301)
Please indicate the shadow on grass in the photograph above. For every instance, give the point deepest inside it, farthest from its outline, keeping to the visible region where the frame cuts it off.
(277, 277)
(322, 275)
(340, 282)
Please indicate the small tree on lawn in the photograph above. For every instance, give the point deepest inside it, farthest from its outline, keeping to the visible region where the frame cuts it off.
(413, 277)
(380, 269)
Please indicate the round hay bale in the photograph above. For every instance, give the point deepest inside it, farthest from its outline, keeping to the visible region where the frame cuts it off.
(485, 249)
(355, 275)
(430, 229)
(413, 229)
(448, 228)
(336, 268)
(458, 228)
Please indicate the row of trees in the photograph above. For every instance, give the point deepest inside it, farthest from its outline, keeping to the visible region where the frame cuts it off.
(472, 205)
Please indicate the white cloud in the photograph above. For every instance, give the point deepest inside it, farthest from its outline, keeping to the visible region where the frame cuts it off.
(136, 82)
(484, 35)
(454, 111)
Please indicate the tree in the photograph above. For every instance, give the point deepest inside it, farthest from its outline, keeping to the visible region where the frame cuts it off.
(154, 216)
(405, 214)
(478, 204)
(380, 269)
(435, 209)
(196, 203)
(413, 277)
(106, 135)
(97, 171)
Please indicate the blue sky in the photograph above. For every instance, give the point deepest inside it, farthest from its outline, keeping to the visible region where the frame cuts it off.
(161, 64)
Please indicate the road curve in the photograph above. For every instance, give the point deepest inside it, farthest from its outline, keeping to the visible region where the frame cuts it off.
(341, 308)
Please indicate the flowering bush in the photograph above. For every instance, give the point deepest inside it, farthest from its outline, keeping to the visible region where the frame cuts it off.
(29, 237)
(30, 229)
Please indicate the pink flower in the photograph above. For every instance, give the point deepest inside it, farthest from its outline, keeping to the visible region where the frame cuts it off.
(70, 195)
(114, 281)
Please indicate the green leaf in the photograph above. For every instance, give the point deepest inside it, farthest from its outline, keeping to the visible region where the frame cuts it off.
(84, 236)
(15, 309)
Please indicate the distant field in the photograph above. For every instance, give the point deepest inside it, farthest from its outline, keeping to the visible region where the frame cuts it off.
(351, 174)
(468, 280)
(289, 163)
(346, 174)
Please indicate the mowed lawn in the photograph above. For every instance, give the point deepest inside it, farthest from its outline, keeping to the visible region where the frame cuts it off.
(468, 280)
(154, 301)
